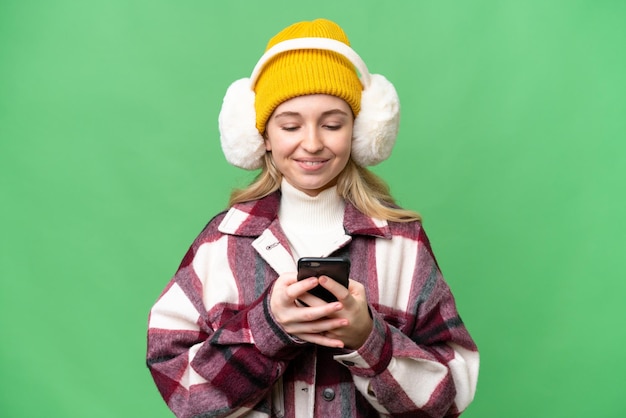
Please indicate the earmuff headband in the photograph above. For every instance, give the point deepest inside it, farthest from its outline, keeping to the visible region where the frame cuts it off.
(312, 43)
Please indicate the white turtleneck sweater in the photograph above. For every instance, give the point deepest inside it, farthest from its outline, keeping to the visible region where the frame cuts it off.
(313, 224)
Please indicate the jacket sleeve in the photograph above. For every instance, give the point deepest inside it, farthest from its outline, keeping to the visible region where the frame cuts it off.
(422, 362)
(203, 354)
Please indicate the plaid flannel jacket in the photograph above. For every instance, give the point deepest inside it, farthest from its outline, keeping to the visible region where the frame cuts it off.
(215, 350)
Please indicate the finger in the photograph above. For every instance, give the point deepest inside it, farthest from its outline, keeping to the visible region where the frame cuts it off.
(316, 313)
(300, 288)
(337, 289)
(286, 279)
(311, 300)
(312, 319)
(318, 326)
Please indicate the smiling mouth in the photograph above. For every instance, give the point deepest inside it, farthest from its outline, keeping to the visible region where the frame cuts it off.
(312, 163)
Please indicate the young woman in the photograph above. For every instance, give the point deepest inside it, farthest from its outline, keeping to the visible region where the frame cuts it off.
(235, 333)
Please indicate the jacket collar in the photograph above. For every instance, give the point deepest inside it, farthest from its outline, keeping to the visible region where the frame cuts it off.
(250, 219)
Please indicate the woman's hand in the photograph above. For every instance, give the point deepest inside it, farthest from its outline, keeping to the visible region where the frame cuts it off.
(345, 323)
(355, 310)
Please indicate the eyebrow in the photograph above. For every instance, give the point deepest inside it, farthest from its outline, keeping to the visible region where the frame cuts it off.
(326, 113)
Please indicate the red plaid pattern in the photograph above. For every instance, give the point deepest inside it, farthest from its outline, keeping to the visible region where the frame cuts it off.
(215, 350)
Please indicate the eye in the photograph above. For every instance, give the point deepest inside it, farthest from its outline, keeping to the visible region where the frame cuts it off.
(290, 128)
(332, 127)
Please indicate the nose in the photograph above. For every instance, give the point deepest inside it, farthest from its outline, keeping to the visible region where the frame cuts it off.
(312, 141)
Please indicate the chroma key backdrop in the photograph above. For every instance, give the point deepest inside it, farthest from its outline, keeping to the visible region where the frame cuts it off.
(512, 146)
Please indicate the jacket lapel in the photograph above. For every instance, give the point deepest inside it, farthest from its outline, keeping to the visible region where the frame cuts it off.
(260, 219)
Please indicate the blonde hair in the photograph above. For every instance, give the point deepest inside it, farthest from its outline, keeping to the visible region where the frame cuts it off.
(357, 185)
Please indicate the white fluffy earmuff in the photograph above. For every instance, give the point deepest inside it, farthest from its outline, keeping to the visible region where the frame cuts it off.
(375, 127)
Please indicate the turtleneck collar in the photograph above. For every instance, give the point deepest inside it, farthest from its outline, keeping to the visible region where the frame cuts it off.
(312, 224)
(300, 211)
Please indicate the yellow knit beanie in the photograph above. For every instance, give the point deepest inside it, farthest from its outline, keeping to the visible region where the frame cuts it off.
(306, 71)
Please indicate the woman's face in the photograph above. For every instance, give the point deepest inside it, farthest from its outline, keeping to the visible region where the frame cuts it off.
(310, 138)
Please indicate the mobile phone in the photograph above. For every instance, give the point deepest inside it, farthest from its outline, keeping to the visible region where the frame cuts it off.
(337, 268)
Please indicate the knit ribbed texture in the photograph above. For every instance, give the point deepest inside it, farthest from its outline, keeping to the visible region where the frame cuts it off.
(312, 224)
(307, 71)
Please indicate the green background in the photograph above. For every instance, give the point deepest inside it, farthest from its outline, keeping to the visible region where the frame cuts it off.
(512, 146)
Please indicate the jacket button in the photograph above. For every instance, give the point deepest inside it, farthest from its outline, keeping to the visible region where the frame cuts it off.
(328, 394)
